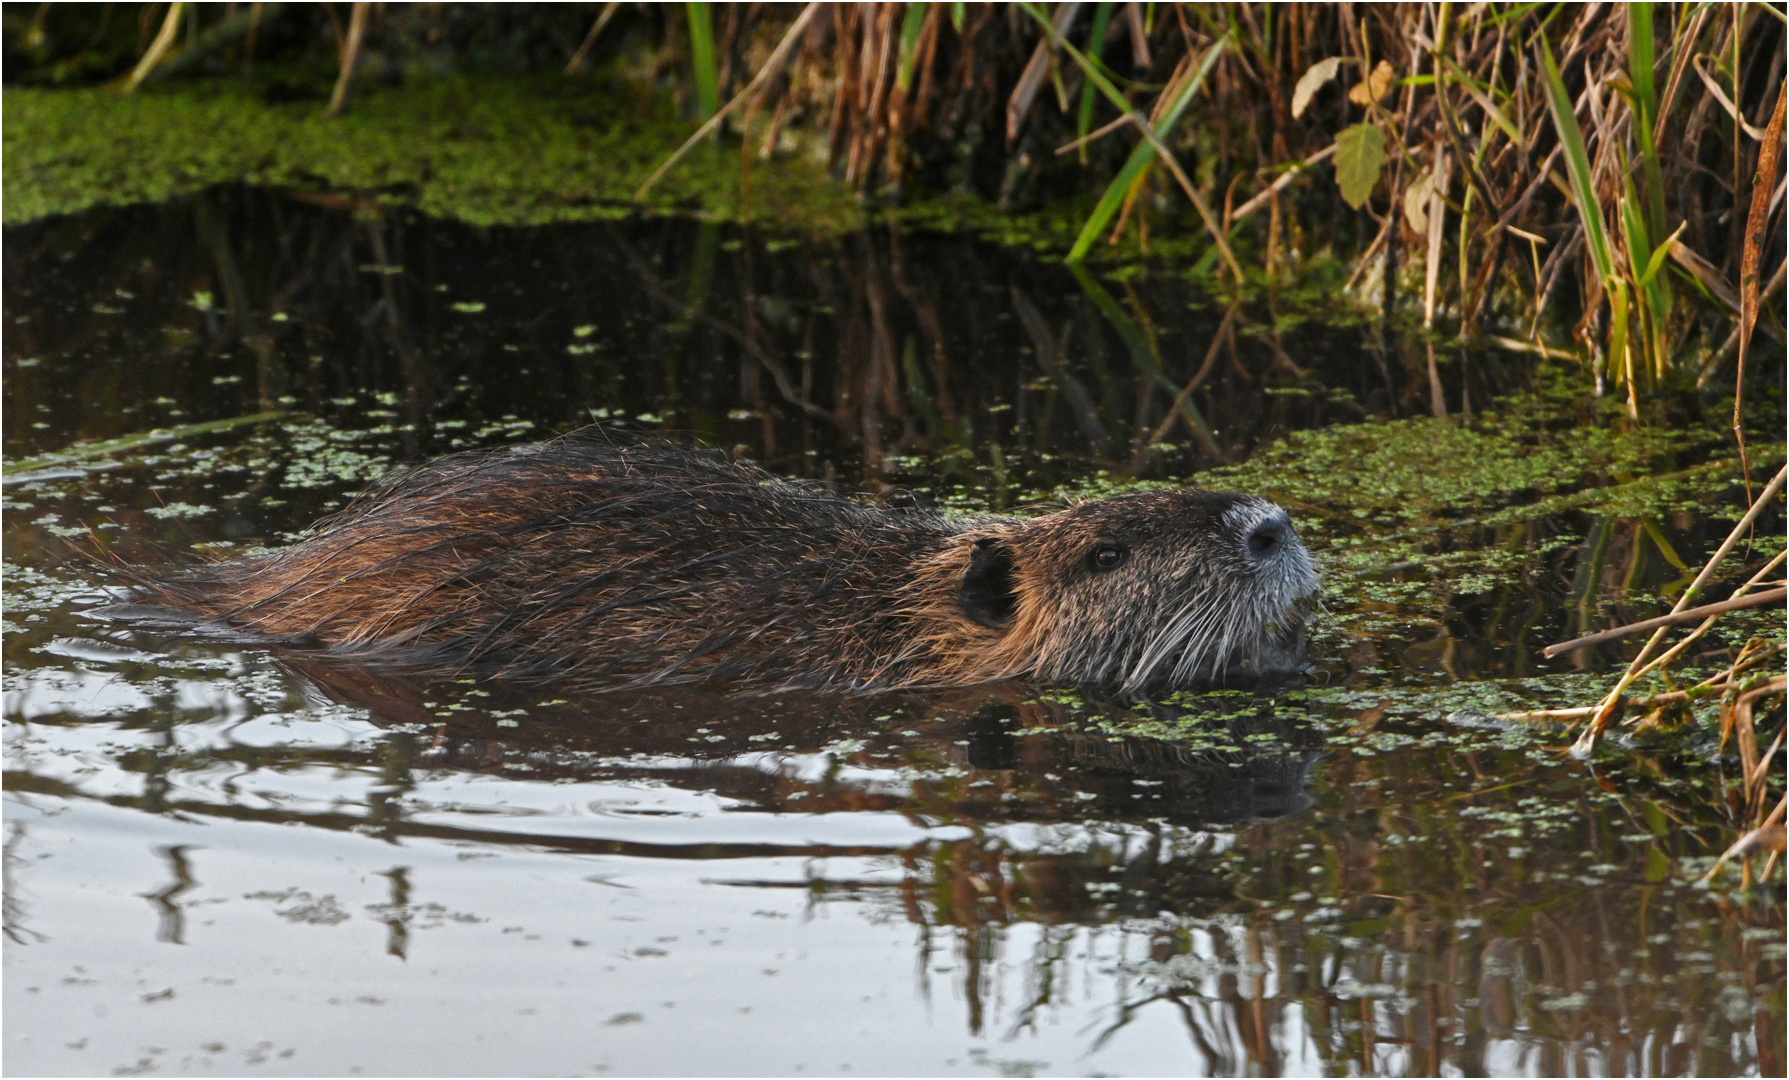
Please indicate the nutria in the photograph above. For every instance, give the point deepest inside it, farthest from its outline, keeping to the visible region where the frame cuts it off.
(626, 561)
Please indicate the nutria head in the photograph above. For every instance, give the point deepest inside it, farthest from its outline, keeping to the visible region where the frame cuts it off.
(1151, 590)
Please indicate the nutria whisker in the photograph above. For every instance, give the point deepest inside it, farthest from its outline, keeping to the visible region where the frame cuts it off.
(624, 561)
(1197, 647)
(1174, 635)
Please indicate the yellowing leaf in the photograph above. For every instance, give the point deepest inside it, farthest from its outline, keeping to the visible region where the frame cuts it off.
(1366, 93)
(1311, 82)
(1416, 202)
(1360, 155)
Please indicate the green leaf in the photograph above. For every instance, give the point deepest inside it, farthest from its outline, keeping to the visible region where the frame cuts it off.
(911, 25)
(1102, 17)
(1360, 155)
(1144, 154)
(956, 16)
(1641, 53)
(1660, 255)
(702, 57)
(1577, 165)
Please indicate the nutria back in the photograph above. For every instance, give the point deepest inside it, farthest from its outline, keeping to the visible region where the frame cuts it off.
(623, 561)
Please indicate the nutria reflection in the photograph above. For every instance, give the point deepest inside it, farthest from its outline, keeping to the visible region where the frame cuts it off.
(988, 754)
(630, 562)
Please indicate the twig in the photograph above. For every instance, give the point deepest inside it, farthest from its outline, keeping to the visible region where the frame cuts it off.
(1516, 345)
(1211, 355)
(1105, 129)
(769, 71)
(1211, 222)
(1737, 603)
(1716, 682)
(164, 40)
(232, 29)
(1263, 197)
(1760, 837)
(1606, 711)
(1689, 639)
(596, 28)
(1583, 711)
(338, 99)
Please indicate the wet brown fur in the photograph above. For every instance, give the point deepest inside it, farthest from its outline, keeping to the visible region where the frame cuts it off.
(634, 562)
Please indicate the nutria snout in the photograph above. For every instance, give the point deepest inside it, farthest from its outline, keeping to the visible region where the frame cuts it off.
(625, 561)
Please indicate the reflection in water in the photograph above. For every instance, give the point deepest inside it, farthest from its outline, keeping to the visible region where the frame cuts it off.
(172, 916)
(397, 924)
(11, 901)
(827, 357)
(1332, 878)
(1464, 904)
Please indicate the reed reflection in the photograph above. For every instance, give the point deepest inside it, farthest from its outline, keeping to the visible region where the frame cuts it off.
(823, 356)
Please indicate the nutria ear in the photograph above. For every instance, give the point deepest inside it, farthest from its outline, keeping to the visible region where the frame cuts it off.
(986, 594)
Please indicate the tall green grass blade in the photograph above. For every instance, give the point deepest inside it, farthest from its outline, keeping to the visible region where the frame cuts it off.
(1661, 255)
(956, 16)
(1110, 202)
(1651, 291)
(1096, 41)
(708, 97)
(1633, 234)
(1620, 366)
(1639, 252)
(1481, 93)
(1145, 152)
(1642, 58)
(911, 25)
(1577, 166)
(1515, 13)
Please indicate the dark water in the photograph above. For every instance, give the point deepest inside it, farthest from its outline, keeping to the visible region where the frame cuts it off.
(227, 858)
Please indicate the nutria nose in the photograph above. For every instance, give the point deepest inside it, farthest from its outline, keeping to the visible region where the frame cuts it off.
(1270, 537)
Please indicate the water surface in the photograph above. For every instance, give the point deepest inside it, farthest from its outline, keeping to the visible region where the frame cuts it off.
(225, 857)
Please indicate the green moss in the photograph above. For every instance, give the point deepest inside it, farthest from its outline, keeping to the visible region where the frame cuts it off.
(485, 150)
(514, 150)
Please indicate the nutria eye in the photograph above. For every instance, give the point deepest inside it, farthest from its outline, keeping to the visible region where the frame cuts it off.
(1109, 556)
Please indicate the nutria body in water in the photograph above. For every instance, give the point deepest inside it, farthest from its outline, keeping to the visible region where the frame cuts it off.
(623, 561)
